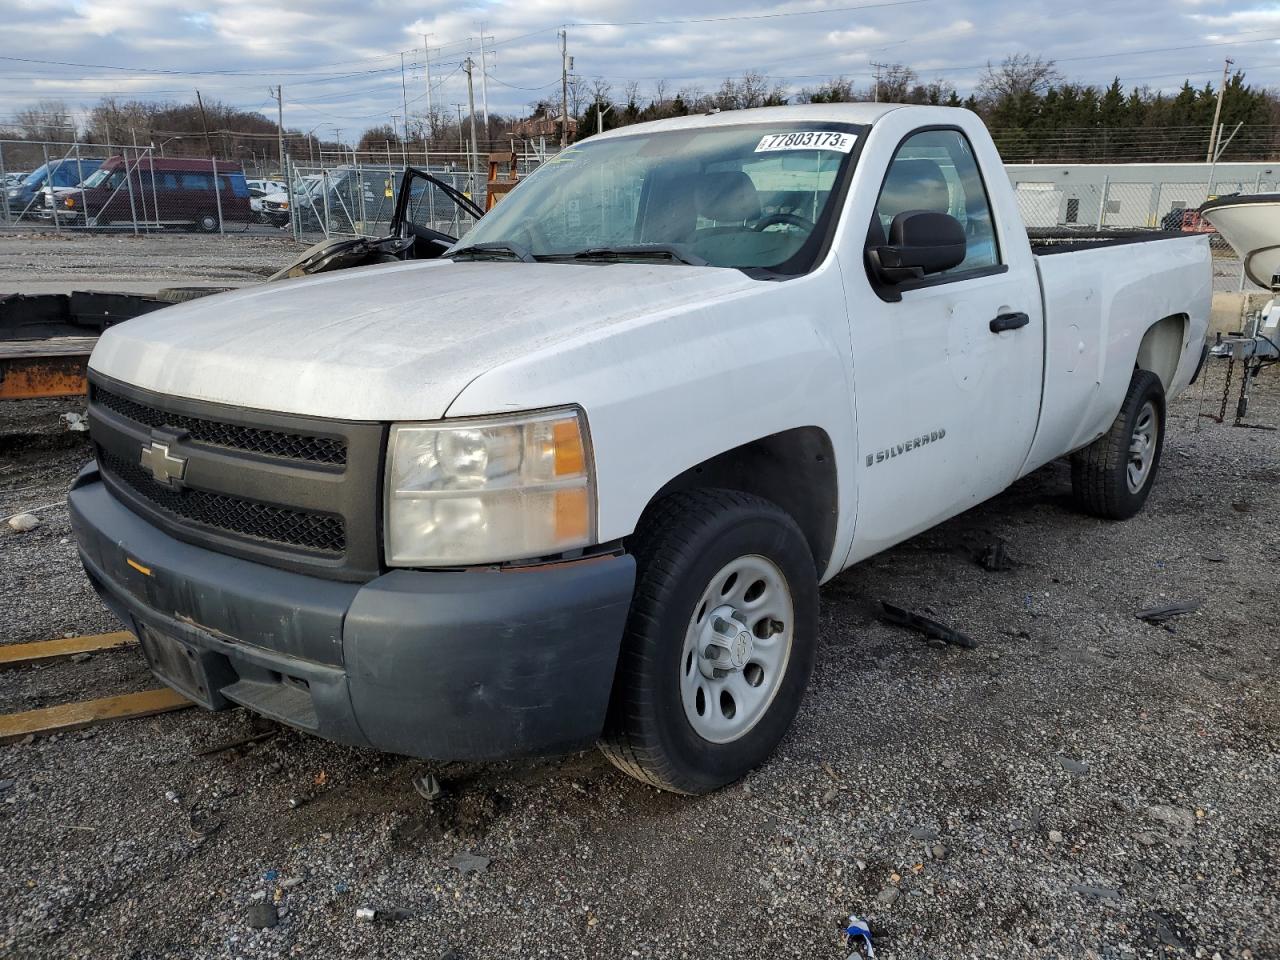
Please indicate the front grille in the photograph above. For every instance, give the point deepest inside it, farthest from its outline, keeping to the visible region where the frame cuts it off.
(247, 518)
(232, 436)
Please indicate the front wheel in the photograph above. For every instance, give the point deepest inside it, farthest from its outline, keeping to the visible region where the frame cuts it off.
(720, 641)
(1112, 477)
(208, 223)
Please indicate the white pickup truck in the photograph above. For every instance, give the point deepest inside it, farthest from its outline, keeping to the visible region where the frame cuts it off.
(579, 480)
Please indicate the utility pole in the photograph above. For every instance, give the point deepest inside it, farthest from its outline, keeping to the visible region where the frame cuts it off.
(278, 94)
(337, 138)
(564, 89)
(1217, 112)
(404, 99)
(204, 123)
(468, 66)
(395, 123)
(284, 166)
(484, 82)
(879, 66)
(462, 147)
(428, 130)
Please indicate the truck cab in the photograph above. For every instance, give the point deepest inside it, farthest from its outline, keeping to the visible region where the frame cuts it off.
(579, 479)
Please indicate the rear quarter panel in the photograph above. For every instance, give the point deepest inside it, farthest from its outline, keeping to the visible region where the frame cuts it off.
(1098, 305)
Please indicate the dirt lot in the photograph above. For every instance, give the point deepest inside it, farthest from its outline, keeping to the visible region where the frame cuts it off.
(45, 262)
(1080, 785)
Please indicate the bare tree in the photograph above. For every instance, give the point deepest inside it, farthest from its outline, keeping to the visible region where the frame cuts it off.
(47, 120)
(660, 95)
(838, 90)
(1017, 76)
(895, 83)
(601, 91)
(577, 95)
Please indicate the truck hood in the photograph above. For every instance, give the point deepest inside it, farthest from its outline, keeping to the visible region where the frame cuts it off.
(389, 342)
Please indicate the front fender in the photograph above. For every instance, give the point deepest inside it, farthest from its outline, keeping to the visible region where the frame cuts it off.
(669, 390)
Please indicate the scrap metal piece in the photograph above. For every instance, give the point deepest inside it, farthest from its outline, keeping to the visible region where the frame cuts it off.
(929, 627)
(56, 367)
(1168, 611)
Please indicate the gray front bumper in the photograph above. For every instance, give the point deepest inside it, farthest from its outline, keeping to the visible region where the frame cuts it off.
(444, 665)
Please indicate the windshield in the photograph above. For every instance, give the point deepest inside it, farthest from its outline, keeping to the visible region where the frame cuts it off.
(35, 177)
(97, 177)
(749, 196)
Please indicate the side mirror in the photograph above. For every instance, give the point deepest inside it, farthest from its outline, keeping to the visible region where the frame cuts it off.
(921, 242)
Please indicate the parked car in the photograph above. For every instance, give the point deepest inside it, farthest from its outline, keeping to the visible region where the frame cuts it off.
(23, 198)
(164, 191)
(580, 478)
(346, 199)
(275, 206)
(258, 190)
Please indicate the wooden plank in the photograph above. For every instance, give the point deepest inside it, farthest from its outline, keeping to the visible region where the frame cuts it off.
(88, 713)
(19, 654)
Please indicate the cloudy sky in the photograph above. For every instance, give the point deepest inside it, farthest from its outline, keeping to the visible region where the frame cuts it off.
(339, 62)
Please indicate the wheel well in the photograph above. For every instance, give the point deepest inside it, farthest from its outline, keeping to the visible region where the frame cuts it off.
(1161, 347)
(795, 469)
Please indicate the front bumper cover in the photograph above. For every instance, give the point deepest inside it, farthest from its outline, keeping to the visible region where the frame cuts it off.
(465, 665)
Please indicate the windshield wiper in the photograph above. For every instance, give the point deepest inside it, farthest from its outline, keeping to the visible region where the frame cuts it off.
(639, 251)
(494, 251)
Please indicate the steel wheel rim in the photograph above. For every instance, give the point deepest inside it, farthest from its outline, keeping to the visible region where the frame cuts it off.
(736, 649)
(1142, 446)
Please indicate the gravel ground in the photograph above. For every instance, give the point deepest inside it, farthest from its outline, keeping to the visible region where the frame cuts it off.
(44, 262)
(1080, 785)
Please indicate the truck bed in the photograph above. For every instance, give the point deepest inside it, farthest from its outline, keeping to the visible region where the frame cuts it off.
(1097, 306)
(1047, 241)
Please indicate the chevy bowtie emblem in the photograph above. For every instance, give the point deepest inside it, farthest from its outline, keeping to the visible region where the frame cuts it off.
(165, 467)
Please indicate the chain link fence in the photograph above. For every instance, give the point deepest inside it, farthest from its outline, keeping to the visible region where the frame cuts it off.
(113, 187)
(1129, 204)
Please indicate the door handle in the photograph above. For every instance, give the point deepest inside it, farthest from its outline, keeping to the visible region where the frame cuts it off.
(1009, 321)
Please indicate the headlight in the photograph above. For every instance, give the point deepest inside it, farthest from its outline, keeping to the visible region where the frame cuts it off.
(14, 191)
(486, 490)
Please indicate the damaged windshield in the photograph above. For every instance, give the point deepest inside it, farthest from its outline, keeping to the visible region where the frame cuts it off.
(749, 196)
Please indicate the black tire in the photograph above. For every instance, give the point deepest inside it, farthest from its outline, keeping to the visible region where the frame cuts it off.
(208, 223)
(183, 294)
(680, 545)
(1100, 480)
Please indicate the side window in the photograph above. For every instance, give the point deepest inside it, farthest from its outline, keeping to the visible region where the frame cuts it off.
(935, 170)
(232, 185)
(197, 181)
(166, 181)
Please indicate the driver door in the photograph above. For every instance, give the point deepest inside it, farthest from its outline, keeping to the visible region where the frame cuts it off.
(947, 403)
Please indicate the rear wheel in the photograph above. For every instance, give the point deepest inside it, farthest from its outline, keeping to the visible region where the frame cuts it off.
(720, 641)
(208, 223)
(1112, 477)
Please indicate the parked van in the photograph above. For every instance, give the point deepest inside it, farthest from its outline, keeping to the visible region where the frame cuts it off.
(21, 196)
(165, 191)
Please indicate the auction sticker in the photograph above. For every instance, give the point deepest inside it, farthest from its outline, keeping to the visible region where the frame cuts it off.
(807, 140)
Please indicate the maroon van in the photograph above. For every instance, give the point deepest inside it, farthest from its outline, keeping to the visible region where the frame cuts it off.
(164, 191)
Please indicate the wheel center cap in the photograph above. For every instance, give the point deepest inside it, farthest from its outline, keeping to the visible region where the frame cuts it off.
(728, 644)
